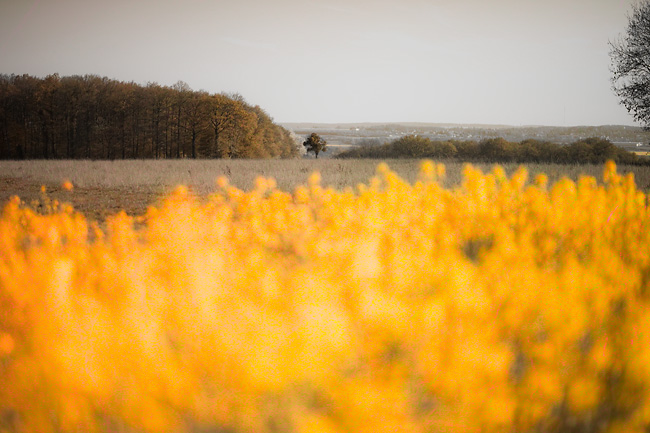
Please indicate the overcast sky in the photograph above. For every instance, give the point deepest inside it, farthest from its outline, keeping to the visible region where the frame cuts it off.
(515, 62)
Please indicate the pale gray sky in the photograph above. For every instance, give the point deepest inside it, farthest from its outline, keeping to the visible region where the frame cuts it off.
(516, 62)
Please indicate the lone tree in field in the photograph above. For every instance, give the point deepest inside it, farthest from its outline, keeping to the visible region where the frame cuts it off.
(315, 144)
(630, 55)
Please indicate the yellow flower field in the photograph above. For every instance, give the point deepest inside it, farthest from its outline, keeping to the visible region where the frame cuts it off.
(501, 305)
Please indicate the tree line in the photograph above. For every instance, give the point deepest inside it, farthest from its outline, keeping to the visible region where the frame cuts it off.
(586, 151)
(96, 117)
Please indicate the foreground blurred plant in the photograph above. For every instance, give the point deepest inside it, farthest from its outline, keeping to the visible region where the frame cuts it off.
(500, 305)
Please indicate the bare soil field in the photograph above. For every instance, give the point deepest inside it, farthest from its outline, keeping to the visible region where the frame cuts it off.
(102, 188)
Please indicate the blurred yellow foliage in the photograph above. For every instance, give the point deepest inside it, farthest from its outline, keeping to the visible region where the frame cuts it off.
(498, 306)
(67, 185)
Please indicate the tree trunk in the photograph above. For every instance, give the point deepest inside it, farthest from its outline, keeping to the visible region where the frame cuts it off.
(193, 143)
(46, 137)
(178, 133)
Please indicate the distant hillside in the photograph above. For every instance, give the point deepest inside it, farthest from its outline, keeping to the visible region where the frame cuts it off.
(348, 135)
(98, 118)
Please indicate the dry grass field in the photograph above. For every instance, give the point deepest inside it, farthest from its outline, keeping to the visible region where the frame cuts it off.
(102, 188)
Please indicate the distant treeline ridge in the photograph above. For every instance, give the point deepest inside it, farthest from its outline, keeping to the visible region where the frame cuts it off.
(99, 118)
(590, 150)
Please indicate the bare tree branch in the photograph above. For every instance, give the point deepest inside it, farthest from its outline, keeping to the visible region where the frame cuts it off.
(630, 67)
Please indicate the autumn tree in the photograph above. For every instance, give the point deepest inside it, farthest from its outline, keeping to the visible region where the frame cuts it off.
(182, 95)
(315, 144)
(413, 146)
(195, 113)
(227, 116)
(45, 97)
(630, 67)
(496, 149)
